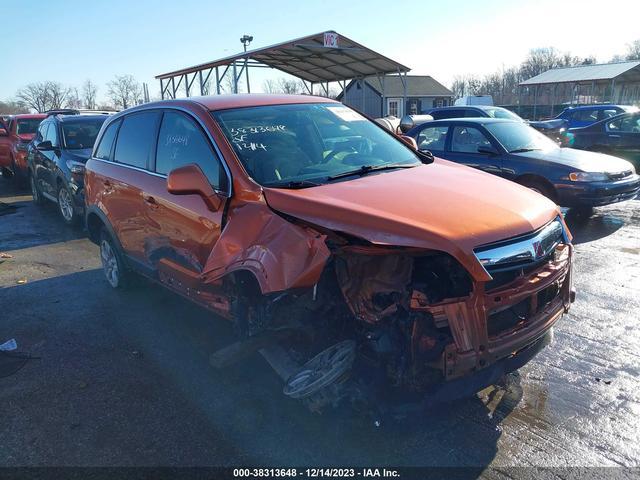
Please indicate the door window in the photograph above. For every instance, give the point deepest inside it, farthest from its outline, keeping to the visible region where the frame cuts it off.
(587, 115)
(106, 143)
(432, 138)
(52, 134)
(609, 113)
(42, 132)
(136, 139)
(467, 140)
(629, 124)
(181, 142)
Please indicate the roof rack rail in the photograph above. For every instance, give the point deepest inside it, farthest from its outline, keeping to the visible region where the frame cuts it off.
(63, 111)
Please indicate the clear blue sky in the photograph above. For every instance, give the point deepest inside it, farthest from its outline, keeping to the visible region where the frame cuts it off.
(72, 40)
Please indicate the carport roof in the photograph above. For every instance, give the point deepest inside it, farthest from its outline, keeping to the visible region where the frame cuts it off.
(307, 58)
(582, 73)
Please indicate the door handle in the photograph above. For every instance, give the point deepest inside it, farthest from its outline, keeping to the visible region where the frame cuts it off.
(614, 136)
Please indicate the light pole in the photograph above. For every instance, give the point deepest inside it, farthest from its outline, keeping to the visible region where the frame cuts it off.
(245, 40)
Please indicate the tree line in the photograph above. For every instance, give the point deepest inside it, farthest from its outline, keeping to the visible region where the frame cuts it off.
(503, 84)
(123, 91)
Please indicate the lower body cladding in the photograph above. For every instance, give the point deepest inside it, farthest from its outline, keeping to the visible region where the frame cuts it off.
(391, 327)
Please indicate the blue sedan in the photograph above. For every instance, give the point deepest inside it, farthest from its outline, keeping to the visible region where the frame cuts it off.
(513, 150)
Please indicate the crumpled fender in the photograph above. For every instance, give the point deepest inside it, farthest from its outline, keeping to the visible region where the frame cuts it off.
(280, 255)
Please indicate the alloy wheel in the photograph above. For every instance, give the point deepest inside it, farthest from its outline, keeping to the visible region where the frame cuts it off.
(109, 263)
(65, 203)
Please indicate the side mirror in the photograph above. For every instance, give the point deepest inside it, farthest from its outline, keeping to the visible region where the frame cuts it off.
(487, 150)
(410, 141)
(45, 146)
(189, 180)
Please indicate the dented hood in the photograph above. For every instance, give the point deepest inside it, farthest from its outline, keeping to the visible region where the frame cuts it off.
(442, 206)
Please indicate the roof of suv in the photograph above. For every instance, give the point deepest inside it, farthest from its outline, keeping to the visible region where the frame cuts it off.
(481, 120)
(223, 102)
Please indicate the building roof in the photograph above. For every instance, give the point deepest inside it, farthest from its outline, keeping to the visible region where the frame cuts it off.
(417, 86)
(309, 59)
(583, 73)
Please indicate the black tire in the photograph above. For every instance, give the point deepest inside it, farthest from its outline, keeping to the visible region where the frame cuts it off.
(541, 188)
(38, 199)
(113, 265)
(66, 208)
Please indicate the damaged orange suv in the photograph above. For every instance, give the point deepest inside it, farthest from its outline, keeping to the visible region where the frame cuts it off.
(361, 269)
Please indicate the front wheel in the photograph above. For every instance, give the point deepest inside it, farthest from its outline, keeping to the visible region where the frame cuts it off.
(113, 265)
(65, 206)
(540, 188)
(38, 199)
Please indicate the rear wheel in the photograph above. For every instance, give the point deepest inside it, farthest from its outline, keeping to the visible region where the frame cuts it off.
(113, 265)
(38, 199)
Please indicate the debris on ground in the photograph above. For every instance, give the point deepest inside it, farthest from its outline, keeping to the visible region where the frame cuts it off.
(22, 281)
(5, 255)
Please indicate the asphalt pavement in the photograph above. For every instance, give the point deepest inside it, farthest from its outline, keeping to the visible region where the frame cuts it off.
(122, 378)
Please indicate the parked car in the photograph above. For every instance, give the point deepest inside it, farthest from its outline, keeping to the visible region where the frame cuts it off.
(56, 159)
(619, 136)
(551, 128)
(15, 134)
(513, 150)
(584, 115)
(329, 242)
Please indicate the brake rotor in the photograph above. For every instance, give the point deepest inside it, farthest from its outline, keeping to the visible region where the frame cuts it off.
(322, 370)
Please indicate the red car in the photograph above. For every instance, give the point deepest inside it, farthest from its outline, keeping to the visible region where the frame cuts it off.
(15, 135)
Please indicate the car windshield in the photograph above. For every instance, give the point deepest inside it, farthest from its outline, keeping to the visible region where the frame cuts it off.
(79, 134)
(28, 127)
(498, 112)
(307, 144)
(519, 137)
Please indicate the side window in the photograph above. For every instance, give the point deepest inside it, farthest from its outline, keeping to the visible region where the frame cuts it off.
(182, 142)
(42, 132)
(432, 138)
(609, 113)
(106, 142)
(467, 140)
(52, 134)
(453, 113)
(587, 115)
(137, 139)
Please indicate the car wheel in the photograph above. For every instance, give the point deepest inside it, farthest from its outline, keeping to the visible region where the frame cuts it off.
(65, 206)
(540, 188)
(113, 266)
(35, 191)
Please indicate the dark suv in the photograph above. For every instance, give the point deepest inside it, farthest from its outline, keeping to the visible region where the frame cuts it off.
(56, 159)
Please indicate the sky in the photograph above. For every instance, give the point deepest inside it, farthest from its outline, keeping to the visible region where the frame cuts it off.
(98, 39)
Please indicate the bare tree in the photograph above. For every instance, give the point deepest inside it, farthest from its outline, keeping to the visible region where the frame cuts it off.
(125, 91)
(89, 92)
(270, 86)
(290, 87)
(633, 50)
(13, 107)
(43, 96)
(73, 99)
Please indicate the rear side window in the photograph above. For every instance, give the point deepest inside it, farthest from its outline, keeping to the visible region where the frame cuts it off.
(586, 115)
(136, 139)
(181, 142)
(106, 143)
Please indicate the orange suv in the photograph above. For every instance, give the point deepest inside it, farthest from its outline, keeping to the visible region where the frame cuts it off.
(362, 269)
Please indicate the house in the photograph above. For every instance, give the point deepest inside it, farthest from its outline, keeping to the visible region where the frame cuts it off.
(385, 95)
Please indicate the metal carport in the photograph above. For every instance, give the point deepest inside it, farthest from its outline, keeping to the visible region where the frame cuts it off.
(317, 59)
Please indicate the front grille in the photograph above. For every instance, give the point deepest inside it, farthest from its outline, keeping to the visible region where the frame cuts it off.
(620, 175)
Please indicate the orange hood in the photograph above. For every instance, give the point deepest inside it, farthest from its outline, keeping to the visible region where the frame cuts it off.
(441, 206)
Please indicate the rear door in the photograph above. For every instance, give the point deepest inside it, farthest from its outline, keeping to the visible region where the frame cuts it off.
(123, 179)
(182, 230)
(464, 141)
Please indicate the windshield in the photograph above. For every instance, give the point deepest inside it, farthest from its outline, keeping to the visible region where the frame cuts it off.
(498, 112)
(519, 137)
(283, 144)
(81, 134)
(28, 127)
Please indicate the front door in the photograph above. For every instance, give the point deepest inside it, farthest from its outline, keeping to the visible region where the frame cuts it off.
(182, 230)
(464, 145)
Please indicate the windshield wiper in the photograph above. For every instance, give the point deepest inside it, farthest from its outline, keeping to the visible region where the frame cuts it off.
(294, 184)
(523, 150)
(364, 169)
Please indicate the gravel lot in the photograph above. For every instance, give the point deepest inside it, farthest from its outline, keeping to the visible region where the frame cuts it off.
(123, 378)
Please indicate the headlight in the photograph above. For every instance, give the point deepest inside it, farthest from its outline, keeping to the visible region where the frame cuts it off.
(75, 167)
(588, 177)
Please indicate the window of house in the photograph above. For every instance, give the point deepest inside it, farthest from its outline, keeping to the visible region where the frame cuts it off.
(136, 139)
(439, 103)
(393, 108)
(467, 140)
(181, 142)
(413, 107)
